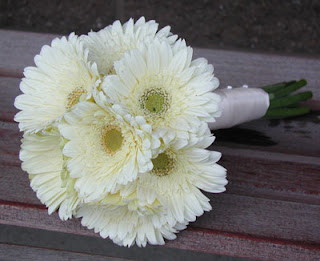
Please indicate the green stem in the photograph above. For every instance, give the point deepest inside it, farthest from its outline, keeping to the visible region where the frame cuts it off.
(290, 100)
(294, 105)
(286, 112)
(290, 88)
(284, 105)
(275, 87)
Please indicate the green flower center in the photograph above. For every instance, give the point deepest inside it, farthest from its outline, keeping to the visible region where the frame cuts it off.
(162, 165)
(112, 139)
(154, 101)
(74, 97)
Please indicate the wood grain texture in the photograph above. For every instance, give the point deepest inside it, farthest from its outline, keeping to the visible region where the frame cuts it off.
(251, 215)
(231, 67)
(266, 135)
(196, 239)
(9, 89)
(11, 252)
(278, 192)
(18, 50)
(237, 68)
(299, 135)
(258, 211)
(271, 210)
(244, 246)
(250, 172)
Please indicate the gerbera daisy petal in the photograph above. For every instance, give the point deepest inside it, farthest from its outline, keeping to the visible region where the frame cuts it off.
(42, 158)
(111, 43)
(61, 77)
(169, 90)
(177, 176)
(106, 147)
(126, 227)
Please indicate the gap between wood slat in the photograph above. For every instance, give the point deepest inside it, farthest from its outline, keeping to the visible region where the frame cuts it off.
(260, 154)
(5, 72)
(203, 240)
(230, 212)
(9, 250)
(261, 135)
(231, 67)
(22, 204)
(226, 74)
(294, 182)
(250, 172)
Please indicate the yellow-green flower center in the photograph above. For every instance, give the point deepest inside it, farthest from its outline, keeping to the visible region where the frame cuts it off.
(163, 164)
(154, 101)
(74, 97)
(112, 139)
(111, 71)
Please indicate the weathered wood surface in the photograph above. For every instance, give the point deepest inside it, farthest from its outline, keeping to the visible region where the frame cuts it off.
(262, 173)
(237, 68)
(11, 252)
(9, 89)
(271, 210)
(261, 217)
(267, 135)
(231, 67)
(194, 238)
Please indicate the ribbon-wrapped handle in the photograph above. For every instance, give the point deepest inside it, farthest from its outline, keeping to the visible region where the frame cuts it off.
(240, 105)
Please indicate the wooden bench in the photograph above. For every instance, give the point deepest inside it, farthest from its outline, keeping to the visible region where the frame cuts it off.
(271, 209)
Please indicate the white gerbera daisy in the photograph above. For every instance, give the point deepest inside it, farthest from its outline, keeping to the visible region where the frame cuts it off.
(125, 226)
(177, 177)
(43, 160)
(161, 83)
(162, 201)
(62, 75)
(106, 147)
(109, 44)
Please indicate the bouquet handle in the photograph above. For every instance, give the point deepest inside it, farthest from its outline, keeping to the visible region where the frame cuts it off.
(240, 105)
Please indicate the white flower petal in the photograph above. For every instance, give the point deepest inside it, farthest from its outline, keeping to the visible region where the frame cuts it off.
(61, 75)
(125, 227)
(98, 168)
(159, 74)
(43, 160)
(111, 43)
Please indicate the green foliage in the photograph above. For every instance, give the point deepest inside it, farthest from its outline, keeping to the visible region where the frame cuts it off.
(283, 103)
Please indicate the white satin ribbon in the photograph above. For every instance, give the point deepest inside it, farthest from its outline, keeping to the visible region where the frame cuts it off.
(240, 105)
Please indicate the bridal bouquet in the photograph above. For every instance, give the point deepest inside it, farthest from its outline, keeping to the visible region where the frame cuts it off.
(116, 129)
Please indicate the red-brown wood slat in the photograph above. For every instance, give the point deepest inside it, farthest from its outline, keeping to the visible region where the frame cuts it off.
(18, 50)
(254, 216)
(267, 135)
(250, 172)
(196, 239)
(298, 135)
(16, 252)
(271, 209)
(231, 67)
(255, 69)
(271, 190)
(250, 213)
(9, 89)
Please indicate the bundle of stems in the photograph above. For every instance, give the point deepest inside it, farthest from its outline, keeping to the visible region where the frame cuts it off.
(284, 104)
